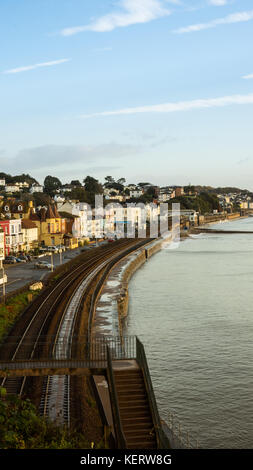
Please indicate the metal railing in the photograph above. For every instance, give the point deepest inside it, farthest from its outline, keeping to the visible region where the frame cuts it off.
(162, 440)
(118, 429)
(101, 352)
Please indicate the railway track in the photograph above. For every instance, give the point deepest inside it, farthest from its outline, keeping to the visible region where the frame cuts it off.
(63, 300)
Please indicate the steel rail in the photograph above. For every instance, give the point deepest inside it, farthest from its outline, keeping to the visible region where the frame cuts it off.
(79, 270)
(60, 381)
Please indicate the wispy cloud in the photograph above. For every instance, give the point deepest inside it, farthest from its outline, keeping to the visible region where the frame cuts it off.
(180, 106)
(36, 66)
(229, 19)
(248, 77)
(57, 156)
(218, 3)
(129, 12)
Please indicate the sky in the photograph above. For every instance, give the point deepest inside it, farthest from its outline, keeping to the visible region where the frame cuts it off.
(151, 90)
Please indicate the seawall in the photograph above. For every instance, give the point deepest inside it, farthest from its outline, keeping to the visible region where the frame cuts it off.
(214, 218)
(112, 303)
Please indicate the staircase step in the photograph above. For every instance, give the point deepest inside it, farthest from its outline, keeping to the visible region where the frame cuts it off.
(141, 441)
(120, 375)
(132, 397)
(126, 381)
(132, 400)
(147, 437)
(137, 423)
(139, 433)
(134, 413)
(129, 387)
(142, 445)
(134, 409)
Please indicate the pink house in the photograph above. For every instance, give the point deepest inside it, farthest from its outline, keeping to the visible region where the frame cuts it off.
(13, 235)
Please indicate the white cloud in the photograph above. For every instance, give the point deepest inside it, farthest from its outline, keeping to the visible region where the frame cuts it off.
(180, 106)
(229, 19)
(248, 77)
(218, 3)
(130, 12)
(36, 66)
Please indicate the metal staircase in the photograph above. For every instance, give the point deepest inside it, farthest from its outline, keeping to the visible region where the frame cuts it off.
(136, 419)
(134, 410)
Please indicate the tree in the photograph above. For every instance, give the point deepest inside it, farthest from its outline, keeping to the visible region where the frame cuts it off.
(121, 181)
(76, 183)
(92, 187)
(109, 180)
(41, 199)
(79, 194)
(51, 184)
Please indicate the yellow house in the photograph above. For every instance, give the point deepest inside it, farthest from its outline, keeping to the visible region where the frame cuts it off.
(16, 209)
(51, 227)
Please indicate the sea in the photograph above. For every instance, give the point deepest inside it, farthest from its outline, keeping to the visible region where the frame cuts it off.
(191, 305)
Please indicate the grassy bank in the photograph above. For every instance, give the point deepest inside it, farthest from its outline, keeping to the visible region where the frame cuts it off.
(22, 428)
(13, 307)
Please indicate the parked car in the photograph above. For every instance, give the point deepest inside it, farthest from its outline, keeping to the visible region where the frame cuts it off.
(10, 260)
(53, 249)
(43, 249)
(43, 265)
(20, 260)
(23, 258)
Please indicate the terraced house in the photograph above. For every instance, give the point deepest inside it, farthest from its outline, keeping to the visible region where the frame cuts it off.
(15, 209)
(30, 234)
(13, 235)
(51, 226)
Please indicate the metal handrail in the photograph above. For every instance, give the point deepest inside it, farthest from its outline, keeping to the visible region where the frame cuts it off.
(162, 440)
(119, 434)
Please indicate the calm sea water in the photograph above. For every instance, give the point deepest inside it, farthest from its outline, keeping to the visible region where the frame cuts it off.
(193, 309)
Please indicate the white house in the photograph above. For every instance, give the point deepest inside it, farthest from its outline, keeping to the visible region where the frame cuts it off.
(36, 188)
(30, 234)
(11, 188)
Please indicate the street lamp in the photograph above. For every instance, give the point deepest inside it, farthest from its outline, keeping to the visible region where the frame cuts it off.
(2, 267)
(52, 262)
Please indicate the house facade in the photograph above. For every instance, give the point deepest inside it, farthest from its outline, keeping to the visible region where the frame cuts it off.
(30, 234)
(15, 209)
(2, 245)
(36, 188)
(13, 235)
(51, 227)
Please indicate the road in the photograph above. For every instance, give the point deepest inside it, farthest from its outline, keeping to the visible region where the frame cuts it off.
(20, 274)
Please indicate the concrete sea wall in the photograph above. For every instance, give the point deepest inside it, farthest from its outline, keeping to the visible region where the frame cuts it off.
(112, 304)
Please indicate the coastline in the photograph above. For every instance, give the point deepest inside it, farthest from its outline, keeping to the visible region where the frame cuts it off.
(112, 304)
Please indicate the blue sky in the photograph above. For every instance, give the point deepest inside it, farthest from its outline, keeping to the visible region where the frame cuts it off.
(149, 90)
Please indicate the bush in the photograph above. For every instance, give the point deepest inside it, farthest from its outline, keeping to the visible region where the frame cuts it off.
(22, 428)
